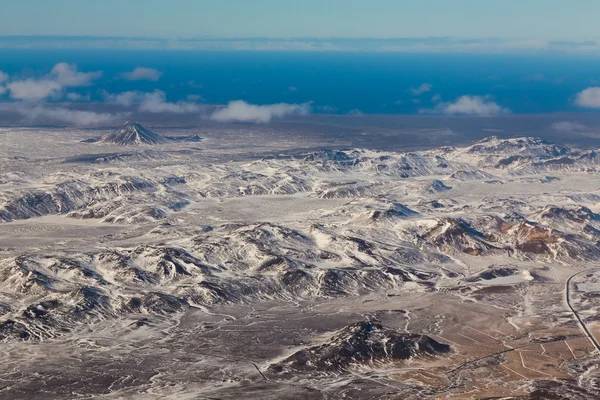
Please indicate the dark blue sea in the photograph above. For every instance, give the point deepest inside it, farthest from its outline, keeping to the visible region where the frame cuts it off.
(373, 83)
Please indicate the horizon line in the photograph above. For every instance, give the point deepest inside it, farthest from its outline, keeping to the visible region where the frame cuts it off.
(357, 38)
(443, 44)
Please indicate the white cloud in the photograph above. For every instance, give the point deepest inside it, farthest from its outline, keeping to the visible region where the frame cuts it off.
(589, 98)
(68, 76)
(62, 76)
(77, 97)
(436, 98)
(356, 113)
(3, 78)
(125, 98)
(471, 105)
(568, 126)
(32, 89)
(240, 111)
(45, 113)
(292, 89)
(156, 102)
(151, 102)
(423, 88)
(142, 74)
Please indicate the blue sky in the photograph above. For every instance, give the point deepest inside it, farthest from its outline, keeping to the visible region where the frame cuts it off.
(531, 19)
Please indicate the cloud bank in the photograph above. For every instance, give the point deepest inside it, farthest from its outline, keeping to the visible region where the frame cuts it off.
(75, 117)
(44, 113)
(142, 74)
(152, 102)
(240, 111)
(61, 76)
(410, 45)
(526, 44)
(471, 105)
(588, 98)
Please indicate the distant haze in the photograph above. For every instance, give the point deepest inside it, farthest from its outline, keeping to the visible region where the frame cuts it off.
(533, 21)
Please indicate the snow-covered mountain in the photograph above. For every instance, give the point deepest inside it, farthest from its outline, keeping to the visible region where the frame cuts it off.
(146, 241)
(132, 133)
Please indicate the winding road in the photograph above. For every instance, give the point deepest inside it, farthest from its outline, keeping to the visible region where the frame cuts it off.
(575, 313)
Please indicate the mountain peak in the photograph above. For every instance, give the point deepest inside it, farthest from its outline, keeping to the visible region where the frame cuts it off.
(133, 133)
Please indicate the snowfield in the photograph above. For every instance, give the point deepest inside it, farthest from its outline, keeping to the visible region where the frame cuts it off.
(148, 266)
